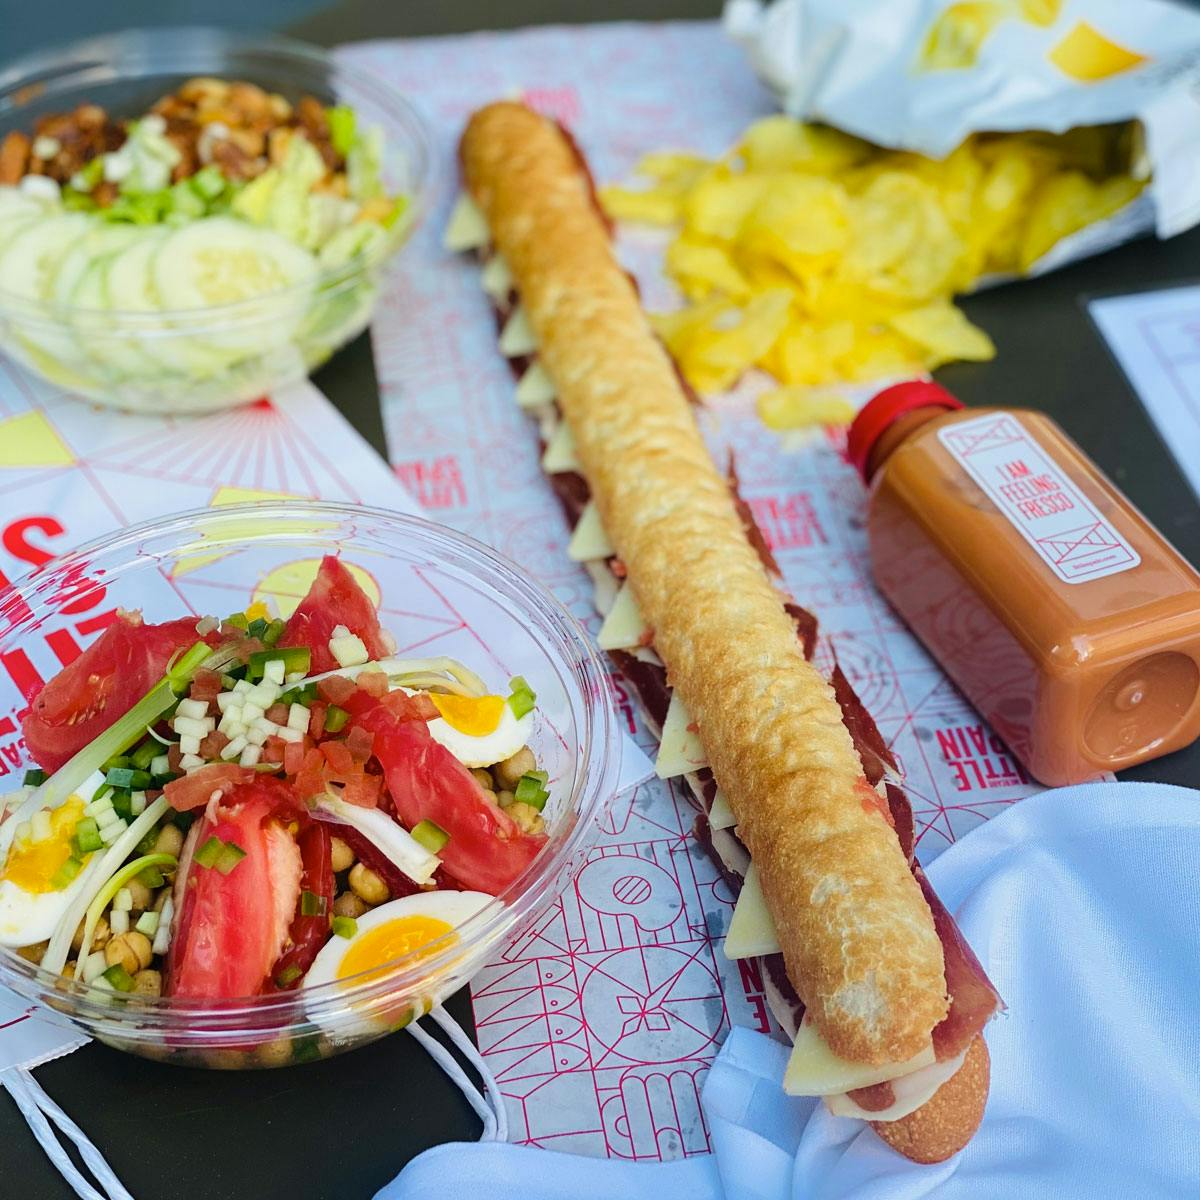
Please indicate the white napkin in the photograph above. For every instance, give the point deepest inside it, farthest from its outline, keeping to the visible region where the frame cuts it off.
(1083, 906)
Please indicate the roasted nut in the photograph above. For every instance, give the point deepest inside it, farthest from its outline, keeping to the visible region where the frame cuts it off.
(147, 983)
(14, 156)
(248, 99)
(281, 110)
(341, 856)
(131, 950)
(368, 886)
(509, 772)
(278, 142)
(528, 819)
(140, 893)
(348, 905)
(33, 953)
(203, 87)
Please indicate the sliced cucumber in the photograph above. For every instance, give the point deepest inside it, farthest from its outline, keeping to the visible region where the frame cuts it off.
(29, 262)
(113, 352)
(100, 242)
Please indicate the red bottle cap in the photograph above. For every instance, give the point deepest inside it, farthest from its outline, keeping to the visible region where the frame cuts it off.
(885, 408)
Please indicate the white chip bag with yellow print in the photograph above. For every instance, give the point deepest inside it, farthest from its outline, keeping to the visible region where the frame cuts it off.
(923, 75)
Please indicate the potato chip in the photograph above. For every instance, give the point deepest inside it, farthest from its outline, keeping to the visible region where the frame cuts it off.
(824, 259)
(956, 37)
(1041, 12)
(943, 332)
(802, 408)
(700, 268)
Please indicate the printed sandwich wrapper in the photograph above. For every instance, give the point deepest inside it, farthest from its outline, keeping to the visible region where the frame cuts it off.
(869, 67)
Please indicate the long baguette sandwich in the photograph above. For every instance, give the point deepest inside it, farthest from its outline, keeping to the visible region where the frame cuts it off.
(796, 790)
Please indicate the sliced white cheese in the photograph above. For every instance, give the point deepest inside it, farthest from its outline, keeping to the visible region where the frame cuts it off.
(517, 337)
(814, 1069)
(559, 454)
(604, 585)
(733, 855)
(623, 628)
(589, 539)
(679, 749)
(497, 279)
(720, 816)
(910, 1091)
(751, 930)
(535, 388)
(467, 229)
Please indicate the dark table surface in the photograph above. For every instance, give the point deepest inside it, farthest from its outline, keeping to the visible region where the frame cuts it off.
(341, 1129)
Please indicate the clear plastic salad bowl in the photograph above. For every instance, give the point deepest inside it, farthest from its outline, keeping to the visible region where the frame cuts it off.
(202, 359)
(440, 591)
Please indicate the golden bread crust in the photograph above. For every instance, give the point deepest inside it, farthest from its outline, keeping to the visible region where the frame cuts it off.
(944, 1124)
(857, 936)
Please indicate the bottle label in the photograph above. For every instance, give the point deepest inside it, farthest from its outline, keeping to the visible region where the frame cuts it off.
(1035, 496)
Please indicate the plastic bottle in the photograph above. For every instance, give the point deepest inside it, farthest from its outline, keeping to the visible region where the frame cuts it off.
(1066, 618)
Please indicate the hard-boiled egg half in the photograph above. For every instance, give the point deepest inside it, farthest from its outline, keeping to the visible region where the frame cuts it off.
(35, 886)
(479, 730)
(399, 927)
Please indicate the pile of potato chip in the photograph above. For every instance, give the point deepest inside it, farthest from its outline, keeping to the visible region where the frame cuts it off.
(824, 259)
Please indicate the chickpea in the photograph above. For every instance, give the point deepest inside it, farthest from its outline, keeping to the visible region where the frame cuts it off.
(140, 893)
(131, 950)
(341, 855)
(275, 1053)
(68, 972)
(509, 772)
(100, 936)
(528, 819)
(366, 885)
(483, 777)
(170, 840)
(504, 799)
(33, 953)
(147, 983)
(348, 905)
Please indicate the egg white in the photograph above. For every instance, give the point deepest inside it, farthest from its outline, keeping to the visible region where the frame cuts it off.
(509, 736)
(27, 918)
(452, 907)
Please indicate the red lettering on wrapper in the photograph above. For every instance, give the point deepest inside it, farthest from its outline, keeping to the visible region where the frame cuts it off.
(978, 759)
(788, 522)
(435, 482)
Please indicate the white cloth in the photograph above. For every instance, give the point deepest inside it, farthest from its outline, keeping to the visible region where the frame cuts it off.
(1083, 906)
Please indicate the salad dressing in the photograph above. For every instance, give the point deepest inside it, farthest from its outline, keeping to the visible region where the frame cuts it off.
(1065, 617)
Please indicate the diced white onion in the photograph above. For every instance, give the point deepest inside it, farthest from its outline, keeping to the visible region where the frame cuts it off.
(242, 687)
(94, 966)
(298, 718)
(273, 671)
(41, 829)
(189, 745)
(123, 901)
(160, 765)
(191, 727)
(225, 699)
(232, 722)
(189, 762)
(252, 712)
(256, 735)
(196, 709)
(118, 921)
(234, 748)
(147, 923)
(97, 808)
(137, 803)
(289, 735)
(250, 756)
(349, 651)
(162, 936)
(264, 695)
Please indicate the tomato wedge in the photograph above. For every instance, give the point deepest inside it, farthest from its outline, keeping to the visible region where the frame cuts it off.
(487, 849)
(102, 685)
(230, 929)
(334, 599)
(308, 933)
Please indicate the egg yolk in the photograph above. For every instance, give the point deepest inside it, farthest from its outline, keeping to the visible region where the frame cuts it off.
(475, 716)
(402, 935)
(32, 865)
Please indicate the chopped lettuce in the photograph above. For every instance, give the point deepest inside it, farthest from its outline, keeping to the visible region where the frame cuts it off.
(278, 198)
(364, 162)
(360, 239)
(145, 160)
(342, 123)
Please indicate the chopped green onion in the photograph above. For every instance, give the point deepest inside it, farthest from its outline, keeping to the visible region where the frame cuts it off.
(208, 854)
(147, 923)
(306, 1049)
(128, 778)
(34, 778)
(288, 975)
(145, 754)
(273, 632)
(531, 789)
(122, 805)
(345, 927)
(103, 790)
(342, 123)
(87, 836)
(231, 854)
(335, 719)
(152, 877)
(294, 658)
(430, 835)
(183, 820)
(257, 627)
(160, 781)
(117, 760)
(180, 675)
(238, 620)
(119, 978)
(65, 874)
(312, 905)
(209, 183)
(305, 695)
(522, 698)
